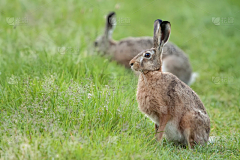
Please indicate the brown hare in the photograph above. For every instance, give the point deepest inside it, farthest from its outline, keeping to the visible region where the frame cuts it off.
(174, 107)
(174, 59)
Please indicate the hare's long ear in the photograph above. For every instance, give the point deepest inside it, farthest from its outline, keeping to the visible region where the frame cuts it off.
(161, 33)
(110, 24)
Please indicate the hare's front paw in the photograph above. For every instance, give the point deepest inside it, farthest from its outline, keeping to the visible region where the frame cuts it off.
(156, 127)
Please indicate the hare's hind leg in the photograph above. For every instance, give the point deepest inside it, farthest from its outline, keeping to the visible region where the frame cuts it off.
(187, 130)
(199, 128)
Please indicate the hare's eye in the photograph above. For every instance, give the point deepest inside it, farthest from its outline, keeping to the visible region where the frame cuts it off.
(147, 55)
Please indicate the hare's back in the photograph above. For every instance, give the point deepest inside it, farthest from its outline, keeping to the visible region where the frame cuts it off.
(180, 94)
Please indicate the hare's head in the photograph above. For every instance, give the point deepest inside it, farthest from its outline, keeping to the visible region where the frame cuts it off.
(103, 42)
(151, 59)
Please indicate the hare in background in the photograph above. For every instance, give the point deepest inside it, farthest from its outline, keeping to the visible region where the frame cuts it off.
(174, 59)
(173, 106)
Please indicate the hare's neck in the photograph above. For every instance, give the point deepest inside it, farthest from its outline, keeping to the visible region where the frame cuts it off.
(149, 79)
(147, 87)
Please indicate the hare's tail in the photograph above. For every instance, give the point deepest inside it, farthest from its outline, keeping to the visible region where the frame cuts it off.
(193, 78)
(212, 139)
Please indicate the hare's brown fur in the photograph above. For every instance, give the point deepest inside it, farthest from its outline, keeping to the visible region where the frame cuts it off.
(173, 106)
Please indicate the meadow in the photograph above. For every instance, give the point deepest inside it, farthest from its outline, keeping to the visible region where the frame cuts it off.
(59, 99)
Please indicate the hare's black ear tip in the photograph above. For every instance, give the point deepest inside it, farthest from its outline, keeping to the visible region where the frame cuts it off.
(159, 21)
(111, 14)
(168, 22)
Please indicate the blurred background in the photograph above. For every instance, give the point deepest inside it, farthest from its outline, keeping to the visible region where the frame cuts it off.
(60, 99)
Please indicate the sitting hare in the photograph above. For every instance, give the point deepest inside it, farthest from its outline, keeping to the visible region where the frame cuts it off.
(174, 59)
(174, 107)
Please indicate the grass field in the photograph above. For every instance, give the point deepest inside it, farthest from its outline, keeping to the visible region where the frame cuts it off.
(70, 103)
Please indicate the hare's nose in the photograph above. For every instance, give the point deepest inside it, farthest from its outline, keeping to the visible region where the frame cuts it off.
(131, 63)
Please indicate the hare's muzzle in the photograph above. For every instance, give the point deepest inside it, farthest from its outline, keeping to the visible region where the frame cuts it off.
(131, 63)
(134, 65)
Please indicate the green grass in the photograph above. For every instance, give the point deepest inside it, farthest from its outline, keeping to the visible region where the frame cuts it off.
(78, 105)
